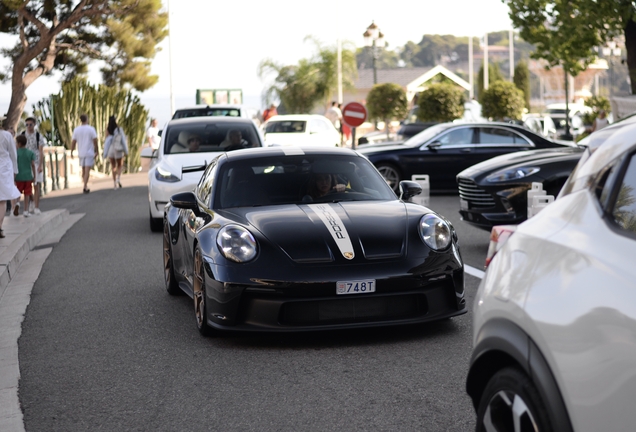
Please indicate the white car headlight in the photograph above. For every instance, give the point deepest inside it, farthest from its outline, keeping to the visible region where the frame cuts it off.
(165, 176)
(236, 243)
(512, 174)
(435, 232)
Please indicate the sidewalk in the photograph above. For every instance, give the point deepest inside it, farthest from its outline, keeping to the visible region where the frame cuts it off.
(23, 252)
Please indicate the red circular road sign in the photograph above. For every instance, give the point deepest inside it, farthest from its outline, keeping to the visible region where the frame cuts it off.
(354, 114)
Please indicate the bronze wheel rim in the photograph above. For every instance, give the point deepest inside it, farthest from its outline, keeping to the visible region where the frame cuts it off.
(199, 289)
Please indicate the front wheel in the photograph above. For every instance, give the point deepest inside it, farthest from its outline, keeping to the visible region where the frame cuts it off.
(168, 265)
(391, 175)
(511, 402)
(200, 307)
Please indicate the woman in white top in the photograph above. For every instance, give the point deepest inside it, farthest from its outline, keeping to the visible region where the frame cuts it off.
(8, 170)
(600, 122)
(115, 146)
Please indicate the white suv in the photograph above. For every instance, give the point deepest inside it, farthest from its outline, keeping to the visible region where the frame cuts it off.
(554, 334)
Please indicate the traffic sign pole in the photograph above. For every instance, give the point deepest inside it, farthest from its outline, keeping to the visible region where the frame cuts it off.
(354, 114)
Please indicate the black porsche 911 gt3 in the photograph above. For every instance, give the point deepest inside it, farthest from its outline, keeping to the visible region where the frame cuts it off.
(293, 239)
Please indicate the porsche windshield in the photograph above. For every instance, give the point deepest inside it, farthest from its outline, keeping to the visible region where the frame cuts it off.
(299, 179)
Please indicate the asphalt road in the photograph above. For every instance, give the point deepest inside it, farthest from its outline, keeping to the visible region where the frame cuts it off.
(104, 347)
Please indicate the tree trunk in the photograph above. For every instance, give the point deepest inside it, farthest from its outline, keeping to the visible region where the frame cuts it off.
(18, 98)
(630, 47)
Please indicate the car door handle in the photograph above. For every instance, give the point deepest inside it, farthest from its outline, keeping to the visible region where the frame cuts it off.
(467, 150)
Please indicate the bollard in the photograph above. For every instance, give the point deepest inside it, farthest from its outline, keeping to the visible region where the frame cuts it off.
(540, 202)
(422, 199)
(536, 190)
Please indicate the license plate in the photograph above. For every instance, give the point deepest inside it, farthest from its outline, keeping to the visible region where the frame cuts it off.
(463, 204)
(355, 287)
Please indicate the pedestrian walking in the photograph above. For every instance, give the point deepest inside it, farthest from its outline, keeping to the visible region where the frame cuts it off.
(36, 143)
(9, 193)
(269, 112)
(85, 138)
(334, 115)
(152, 135)
(115, 147)
(25, 176)
(601, 121)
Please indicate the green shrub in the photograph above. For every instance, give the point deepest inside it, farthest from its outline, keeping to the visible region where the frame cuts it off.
(387, 102)
(441, 102)
(502, 100)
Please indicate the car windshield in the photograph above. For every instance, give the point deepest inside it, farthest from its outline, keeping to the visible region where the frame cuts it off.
(426, 134)
(210, 137)
(299, 179)
(206, 112)
(286, 126)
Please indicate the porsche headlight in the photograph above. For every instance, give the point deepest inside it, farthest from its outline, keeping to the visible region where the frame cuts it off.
(165, 176)
(435, 232)
(236, 243)
(512, 174)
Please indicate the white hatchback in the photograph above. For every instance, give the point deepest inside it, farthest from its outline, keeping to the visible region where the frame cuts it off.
(554, 334)
(300, 129)
(187, 146)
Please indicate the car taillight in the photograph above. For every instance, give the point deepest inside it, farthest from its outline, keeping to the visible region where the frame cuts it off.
(499, 235)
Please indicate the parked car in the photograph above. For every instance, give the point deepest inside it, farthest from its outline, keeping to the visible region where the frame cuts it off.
(176, 166)
(495, 192)
(557, 113)
(224, 110)
(444, 150)
(262, 244)
(554, 324)
(300, 129)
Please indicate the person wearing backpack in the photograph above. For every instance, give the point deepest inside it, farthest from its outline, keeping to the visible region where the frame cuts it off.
(115, 147)
(36, 143)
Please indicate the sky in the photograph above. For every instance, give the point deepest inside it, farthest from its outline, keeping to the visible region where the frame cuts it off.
(219, 44)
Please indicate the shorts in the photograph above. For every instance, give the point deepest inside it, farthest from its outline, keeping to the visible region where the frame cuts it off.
(25, 187)
(87, 161)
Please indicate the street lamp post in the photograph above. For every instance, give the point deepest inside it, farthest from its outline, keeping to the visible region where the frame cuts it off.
(374, 38)
(611, 51)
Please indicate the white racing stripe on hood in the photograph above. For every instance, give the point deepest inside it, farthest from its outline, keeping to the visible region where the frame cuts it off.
(335, 226)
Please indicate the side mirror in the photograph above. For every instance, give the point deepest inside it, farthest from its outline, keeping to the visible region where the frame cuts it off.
(185, 200)
(434, 145)
(409, 189)
(148, 152)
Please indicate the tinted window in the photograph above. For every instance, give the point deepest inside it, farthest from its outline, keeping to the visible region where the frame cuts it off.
(207, 183)
(457, 137)
(213, 137)
(286, 126)
(624, 213)
(499, 136)
(426, 134)
(206, 112)
(293, 179)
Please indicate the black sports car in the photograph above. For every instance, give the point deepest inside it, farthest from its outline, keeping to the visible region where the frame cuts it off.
(495, 192)
(444, 150)
(292, 238)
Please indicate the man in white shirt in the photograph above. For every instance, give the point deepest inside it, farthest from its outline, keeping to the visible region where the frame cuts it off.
(334, 115)
(152, 135)
(36, 143)
(85, 138)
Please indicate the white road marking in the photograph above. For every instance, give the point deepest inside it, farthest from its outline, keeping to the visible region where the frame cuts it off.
(473, 271)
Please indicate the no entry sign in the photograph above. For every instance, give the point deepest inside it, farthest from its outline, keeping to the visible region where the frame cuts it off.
(354, 114)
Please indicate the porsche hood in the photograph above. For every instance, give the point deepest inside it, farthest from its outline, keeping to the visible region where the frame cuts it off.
(343, 232)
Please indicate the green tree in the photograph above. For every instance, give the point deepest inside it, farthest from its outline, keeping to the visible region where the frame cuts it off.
(502, 100)
(522, 81)
(301, 87)
(387, 102)
(494, 75)
(441, 102)
(566, 32)
(65, 35)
